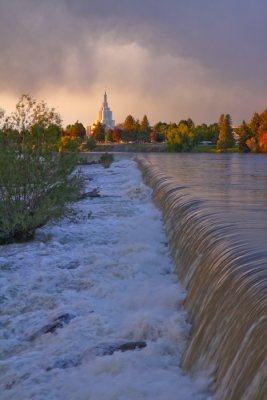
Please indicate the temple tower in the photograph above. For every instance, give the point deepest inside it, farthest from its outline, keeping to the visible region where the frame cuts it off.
(105, 115)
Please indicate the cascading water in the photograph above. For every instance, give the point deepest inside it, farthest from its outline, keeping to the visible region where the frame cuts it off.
(226, 286)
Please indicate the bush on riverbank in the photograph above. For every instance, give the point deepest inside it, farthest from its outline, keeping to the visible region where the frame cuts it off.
(106, 160)
(36, 180)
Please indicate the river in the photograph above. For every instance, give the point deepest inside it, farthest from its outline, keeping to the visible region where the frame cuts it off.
(91, 309)
(215, 211)
(100, 281)
(232, 185)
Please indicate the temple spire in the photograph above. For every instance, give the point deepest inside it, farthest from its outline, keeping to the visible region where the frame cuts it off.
(105, 114)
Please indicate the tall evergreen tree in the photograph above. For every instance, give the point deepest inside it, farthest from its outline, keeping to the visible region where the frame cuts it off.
(244, 135)
(144, 130)
(129, 129)
(225, 139)
(255, 124)
(99, 132)
(145, 127)
(129, 123)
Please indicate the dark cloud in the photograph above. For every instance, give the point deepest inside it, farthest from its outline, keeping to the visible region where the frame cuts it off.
(194, 53)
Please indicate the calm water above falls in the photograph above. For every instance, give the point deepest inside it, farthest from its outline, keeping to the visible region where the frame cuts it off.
(233, 185)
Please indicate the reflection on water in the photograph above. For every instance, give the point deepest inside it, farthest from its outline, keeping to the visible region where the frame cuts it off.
(235, 185)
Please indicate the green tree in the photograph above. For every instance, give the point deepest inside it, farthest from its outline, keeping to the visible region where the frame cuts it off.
(244, 135)
(213, 132)
(91, 143)
(29, 113)
(145, 127)
(76, 130)
(225, 139)
(160, 129)
(36, 181)
(181, 138)
(255, 124)
(144, 131)
(109, 136)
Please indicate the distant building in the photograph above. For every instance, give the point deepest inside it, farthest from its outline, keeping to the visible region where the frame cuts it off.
(104, 116)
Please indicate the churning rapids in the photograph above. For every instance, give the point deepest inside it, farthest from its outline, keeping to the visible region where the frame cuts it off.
(91, 309)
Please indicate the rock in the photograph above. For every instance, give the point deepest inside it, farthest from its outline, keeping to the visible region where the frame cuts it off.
(63, 364)
(94, 193)
(103, 349)
(55, 324)
(107, 349)
(70, 265)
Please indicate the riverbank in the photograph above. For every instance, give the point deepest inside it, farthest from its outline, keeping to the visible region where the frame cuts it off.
(91, 309)
(133, 147)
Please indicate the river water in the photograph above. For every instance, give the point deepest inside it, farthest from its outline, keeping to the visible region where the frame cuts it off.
(87, 284)
(215, 211)
(102, 278)
(232, 185)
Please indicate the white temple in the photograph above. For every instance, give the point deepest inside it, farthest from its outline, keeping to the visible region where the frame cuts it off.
(105, 115)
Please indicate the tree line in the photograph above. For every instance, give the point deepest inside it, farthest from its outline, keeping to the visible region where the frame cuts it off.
(186, 136)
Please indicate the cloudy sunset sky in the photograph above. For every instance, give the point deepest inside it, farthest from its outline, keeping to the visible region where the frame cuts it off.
(170, 59)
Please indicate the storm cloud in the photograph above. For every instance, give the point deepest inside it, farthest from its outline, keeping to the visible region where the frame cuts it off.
(170, 59)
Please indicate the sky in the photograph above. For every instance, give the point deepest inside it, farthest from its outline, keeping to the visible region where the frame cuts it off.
(169, 59)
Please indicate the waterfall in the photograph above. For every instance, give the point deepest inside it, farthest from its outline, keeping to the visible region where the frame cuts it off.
(226, 285)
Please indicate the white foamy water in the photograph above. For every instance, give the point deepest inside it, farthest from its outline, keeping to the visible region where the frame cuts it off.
(88, 283)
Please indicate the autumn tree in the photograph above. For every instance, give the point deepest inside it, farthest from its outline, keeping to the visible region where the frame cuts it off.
(129, 129)
(76, 130)
(225, 139)
(129, 123)
(116, 134)
(99, 132)
(262, 132)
